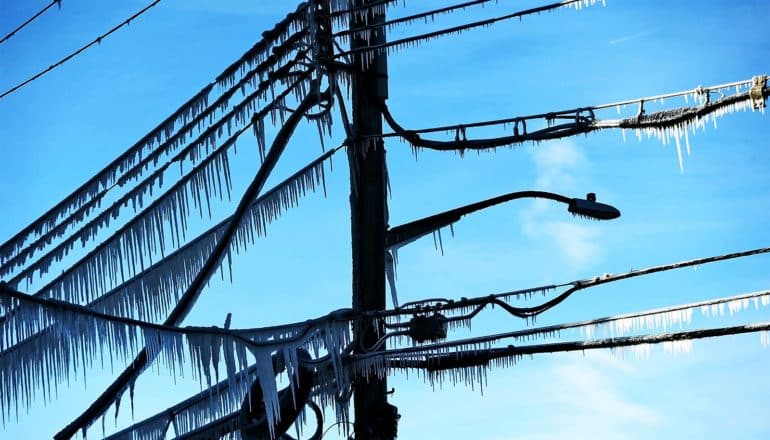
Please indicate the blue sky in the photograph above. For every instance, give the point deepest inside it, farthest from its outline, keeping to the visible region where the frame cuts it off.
(61, 129)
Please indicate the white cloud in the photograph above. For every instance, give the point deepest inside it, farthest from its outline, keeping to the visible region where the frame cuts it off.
(567, 396)
(561, 167)
(590, 402)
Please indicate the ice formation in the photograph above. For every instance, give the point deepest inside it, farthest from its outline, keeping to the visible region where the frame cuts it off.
(85, 336)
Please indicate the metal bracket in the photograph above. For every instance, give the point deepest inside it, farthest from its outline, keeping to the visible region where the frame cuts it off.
(756, 93)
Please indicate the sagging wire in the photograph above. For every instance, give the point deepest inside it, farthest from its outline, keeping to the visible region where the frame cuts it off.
(519, 122)
(141, 187)
(553, 330)
(583, 122)
(479, 303)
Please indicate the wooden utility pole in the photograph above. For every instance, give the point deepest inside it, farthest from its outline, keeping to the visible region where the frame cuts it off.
(374, 418)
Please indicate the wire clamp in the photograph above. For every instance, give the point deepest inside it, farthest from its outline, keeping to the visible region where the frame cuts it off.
(756, 93)
(428, 328)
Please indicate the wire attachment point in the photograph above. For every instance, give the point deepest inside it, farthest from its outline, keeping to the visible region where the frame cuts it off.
(756, 93)
(428, 328)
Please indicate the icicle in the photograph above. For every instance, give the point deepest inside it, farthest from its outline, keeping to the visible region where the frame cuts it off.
(390, 269)
(677, 347)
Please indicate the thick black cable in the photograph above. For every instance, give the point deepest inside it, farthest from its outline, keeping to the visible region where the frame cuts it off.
(529, 312)
(96, 41)
(644, 120)
(582, 124)
(30, 20)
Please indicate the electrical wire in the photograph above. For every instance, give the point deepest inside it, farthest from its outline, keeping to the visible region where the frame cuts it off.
(39, 262)
(97, 40)
(573, 111)
(474, 358)
(30, 20)
(552, 330)
(460, 28)
(210, 232)
(112, 211)
(664, 124)
(78, 205)
(409, 18)
(529, 312)
(193, 291)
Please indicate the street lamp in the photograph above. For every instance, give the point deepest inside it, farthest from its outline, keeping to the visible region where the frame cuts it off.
(408, 232)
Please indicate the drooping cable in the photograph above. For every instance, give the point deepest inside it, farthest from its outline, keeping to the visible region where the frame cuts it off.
(665, 317)
(30, 20)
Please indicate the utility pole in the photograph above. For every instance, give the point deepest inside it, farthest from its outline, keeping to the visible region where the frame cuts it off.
(374, 418)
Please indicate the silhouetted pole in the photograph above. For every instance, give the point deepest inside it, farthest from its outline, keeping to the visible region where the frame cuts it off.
(374, 418)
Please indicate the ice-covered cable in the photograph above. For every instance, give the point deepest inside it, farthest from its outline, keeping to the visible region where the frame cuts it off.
(191, 294)
(123, 254)
(474, 305)
(194, 151)
(422, 16)
(209, 176)
(192, 114)
(86, 335)
(666, 125)
(96, 41)
(472, 363)
(417, 39)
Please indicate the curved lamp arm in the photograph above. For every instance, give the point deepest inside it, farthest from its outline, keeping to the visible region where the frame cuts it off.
(408, 232)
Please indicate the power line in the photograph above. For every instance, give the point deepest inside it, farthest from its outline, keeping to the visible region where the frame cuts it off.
(137, 221)
(96, 41)
(193, 291)
(411, 18)
(30, 20)
(192, 114)
(698, 91)
(476, 358)
(134, 196)
(464, 27)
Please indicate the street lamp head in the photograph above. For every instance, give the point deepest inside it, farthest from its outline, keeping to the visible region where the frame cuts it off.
(590, 208)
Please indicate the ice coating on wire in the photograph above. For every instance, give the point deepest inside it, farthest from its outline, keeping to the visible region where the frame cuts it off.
(85, 336)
